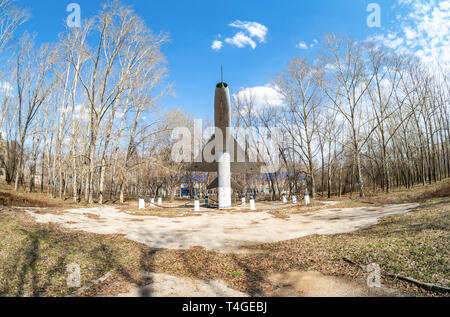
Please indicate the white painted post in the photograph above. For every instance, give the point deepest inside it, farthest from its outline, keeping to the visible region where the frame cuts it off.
(141, 203)
(307, 202)
(284, 199)
(294, 199)
(159, 201)
(252, 203)
(243, 201)
(196, 204)
(152, 202)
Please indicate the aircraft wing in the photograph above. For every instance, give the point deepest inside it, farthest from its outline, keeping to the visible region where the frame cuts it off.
(245, 167)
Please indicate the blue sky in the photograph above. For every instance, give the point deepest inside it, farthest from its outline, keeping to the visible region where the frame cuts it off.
(194, 25)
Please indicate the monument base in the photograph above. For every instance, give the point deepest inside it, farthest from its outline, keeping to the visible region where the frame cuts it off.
(224, 197)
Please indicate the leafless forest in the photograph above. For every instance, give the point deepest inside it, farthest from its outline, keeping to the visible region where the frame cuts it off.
(81, 118)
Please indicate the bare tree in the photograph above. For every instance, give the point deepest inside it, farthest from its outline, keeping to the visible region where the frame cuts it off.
(346, 86)
(11, 18)
(125, 49)
(300, 88)
(33, 70)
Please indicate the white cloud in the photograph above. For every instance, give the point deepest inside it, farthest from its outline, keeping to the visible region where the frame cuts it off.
(254, 29)
(392, 41)
(331, 67)
(6, 88)
(241, 40)
(217, 45)
(252, 33)
(445, 5)
(119, 114)
(302, 45)
(260, 96)
(424, 31)
(410, 33)
(81, 113)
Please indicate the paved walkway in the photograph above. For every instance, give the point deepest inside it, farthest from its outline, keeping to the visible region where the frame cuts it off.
(220, 231)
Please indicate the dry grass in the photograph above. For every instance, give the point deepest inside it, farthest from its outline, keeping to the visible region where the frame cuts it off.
(416, 245)
(33, 257)
(417, 193)
(9, 197)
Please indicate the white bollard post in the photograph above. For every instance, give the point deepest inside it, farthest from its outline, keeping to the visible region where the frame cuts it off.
(294, 199)
(252, 203)
(307, 202)
(152, 202)
(159, 201)
(284, 199)
(243, 201)
(196, 204)
(141, 203)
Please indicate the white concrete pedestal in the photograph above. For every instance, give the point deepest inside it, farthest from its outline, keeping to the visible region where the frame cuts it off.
(294, 199)
(224, 180)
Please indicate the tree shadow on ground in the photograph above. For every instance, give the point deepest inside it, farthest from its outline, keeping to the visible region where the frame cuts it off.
(36, 257)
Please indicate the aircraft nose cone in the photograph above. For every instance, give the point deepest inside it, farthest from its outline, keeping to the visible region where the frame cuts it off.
(222, 85)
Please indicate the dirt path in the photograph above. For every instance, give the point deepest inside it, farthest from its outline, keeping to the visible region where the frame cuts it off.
(316, 284)
(288, 284)
(223, 232)
(163, 285)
